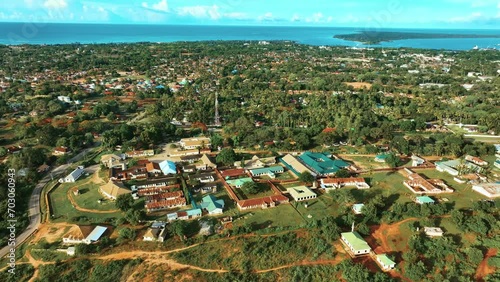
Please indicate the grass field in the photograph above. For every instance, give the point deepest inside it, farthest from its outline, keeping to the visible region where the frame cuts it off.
(283, 216)
(264, 190)
(389, 184)
(89, 196)
(366, 162)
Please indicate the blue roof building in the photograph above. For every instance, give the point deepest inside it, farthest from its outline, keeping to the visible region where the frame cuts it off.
(168, 167)
(212, 204)
(321, 164)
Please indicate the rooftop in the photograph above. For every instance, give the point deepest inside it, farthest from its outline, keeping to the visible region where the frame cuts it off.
(321, 163)
(385, 259)
(356, 241)
(300, 192)
(425, 200)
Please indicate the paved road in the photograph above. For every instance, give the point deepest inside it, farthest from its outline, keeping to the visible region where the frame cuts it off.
(34, 204)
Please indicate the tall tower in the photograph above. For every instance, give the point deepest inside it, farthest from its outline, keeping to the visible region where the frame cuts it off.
(217, 117)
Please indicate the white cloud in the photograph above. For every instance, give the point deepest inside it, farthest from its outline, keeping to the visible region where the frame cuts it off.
(469, 18)
(266, 17)
(211, 12)
(236, 15)
(295, 18)
(55, 4)
(161, 6)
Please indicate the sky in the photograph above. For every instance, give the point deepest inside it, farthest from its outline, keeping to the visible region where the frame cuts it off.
(473, 14)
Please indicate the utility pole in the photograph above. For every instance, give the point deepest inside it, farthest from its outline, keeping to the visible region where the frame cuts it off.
(217, 117)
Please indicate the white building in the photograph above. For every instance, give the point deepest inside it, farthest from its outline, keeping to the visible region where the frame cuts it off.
(433, 231)
(385, 262)
(85, 235)
(357, 245)
(301, 193)
(490, 190)
(73, 176)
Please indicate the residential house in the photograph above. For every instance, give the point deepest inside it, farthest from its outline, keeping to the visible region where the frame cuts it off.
(490, 190)
(381, 158)
(385, 262)
(451, 167)
(207, 163)
(433, 231)
(140, 153)
(358, 208)
(416, 160)
(210, 187)
(154, 169)
(165, 204)
(111, 160)
(203, 177)
(232, 173)
(155, 234)
(194, 143)
(301, 193)
(85, 235)
(61, 151)
(73, 176)
(184, 214)
(336, 183)
(476, 160)
(112, 190)
(255, 162)
(190, 159)
(356, 244)
(269, 171)
(212, 205)
(424, 200)
(156, 182)
(189, 168)
(164, 196)
(168, 167)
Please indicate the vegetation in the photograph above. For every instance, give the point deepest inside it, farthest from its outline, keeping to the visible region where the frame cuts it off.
(376, 37)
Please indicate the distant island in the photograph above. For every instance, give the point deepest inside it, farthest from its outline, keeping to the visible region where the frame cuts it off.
(376, 37)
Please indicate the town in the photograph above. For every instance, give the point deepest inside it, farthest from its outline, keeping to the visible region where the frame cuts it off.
(247, 160)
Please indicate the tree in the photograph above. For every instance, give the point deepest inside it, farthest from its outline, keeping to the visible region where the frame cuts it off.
(251, 187)
(134, 216)
(306, 177)
(127, 233)
(227, 156)
(342, 173)
(179, 228)
(124, 202)
(216, 141)
(392, 160)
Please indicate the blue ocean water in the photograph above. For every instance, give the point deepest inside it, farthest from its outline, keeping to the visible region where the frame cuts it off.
(41, 33)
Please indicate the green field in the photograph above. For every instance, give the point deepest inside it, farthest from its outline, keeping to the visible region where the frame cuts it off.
(366, 162)
(264, 190)
(89, 197)
(281, 216)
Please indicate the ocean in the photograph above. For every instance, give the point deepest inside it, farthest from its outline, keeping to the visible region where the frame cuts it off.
(41, 33)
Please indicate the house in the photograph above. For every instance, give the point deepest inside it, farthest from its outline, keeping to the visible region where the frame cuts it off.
(190, 159)
(112, 190)
(189, 168)
(451, 167)
(301, 193)
(416, 161)
(433, 231)
(424, 200)
(111, 160)
(140, 153)
(167, 167)
(293, 164)
(255, 162)
(212, 205)
(490, 190)
(64, 99)
(269, 171)
(358, 208)
(336, 183)
(238, 183)
(202, 177)
(194, 143)
(356, 244)
(165, 204)
(322, 164)
(155, 234)
(381, 158)
(419, 185)
(385, 262)
(264, 202)
(210, 187)
(232, 173)
(164, 196)
(186, 153)
(184, 215)
(208, 162)
(73, 176)
(70, 251)
(61, 151)
(476, 160)
(14, 149)
(154, 168)
(85, 235)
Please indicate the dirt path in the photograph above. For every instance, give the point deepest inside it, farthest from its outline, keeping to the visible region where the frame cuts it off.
(51, 232)
(36, 264)
(484, 269)
(77, 207)
(385, 231)
(334, 261)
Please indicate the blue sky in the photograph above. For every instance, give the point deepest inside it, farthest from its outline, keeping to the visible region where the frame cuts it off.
(349, 13)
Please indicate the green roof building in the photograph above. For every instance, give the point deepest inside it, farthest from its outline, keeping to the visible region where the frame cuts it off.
(239, 182)
(424, 200)
(385, 262)
(269, 171)
(212, 204)
(357, 245)
(321, 164)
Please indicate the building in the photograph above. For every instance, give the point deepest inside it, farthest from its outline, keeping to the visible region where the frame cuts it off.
(419, 185)
(358, 208)
(207, 163)
(154, 168)
(61, 151)
(168, 167)
(212, 205)
(184, 215)
(322, 164)
(381, 158)
(424, 200)
(190, 159)
(164, 196)
(268, 171)
(112, 190)
(293, 164)
(195, 143)
(385, 262)
(73, 176)
(238, 183)
(497, 164)
(450, 167)
(202, 177)
(476, 160)
(417, 161)
(336, 183)
(111, 160)
(165, 204)
(490, 190)
(232, 173)
(155, 234)
(433, 231)
(264, 203)
(255, 162)
(210, 187)
(301, 193)
(356, 244)
(140, 153)
(85, 235)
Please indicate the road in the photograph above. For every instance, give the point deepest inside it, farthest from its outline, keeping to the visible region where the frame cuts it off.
(34, 203)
